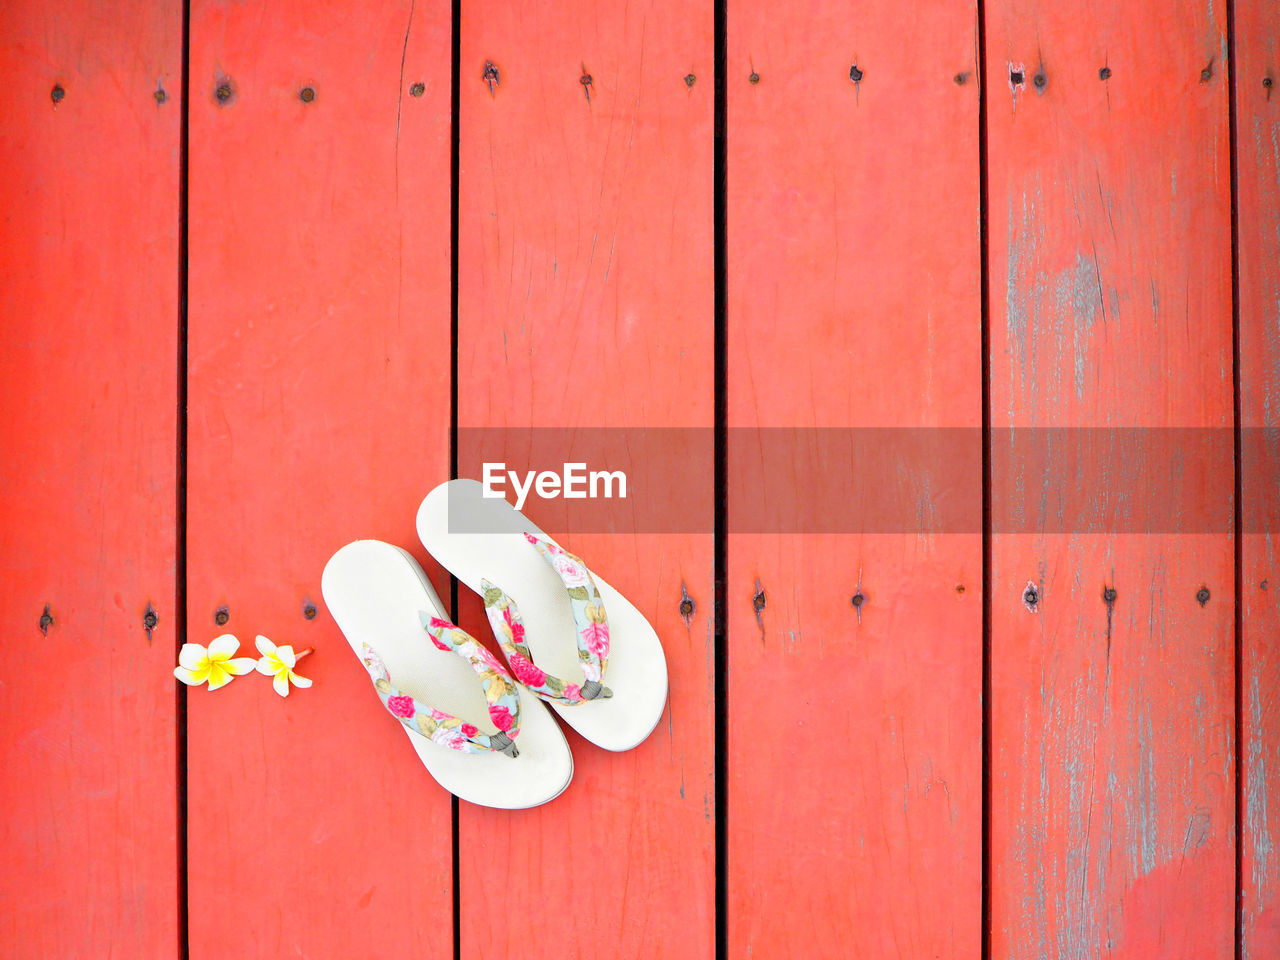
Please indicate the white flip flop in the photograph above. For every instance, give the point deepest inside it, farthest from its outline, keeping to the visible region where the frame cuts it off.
(483, 737)
(606, 678)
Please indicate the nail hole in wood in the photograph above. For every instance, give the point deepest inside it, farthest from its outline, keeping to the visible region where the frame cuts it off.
(690, 80)
(1202, 596)
(417, 90)
(687, 606)
(758, 601)
(855, 73)
(221, 616)
(961, 79)
(309, 610)
(753, 78)
(1104, 73)
(307, 94)
(1031, 596)
(1016, 77)
(46, 620)
(57, 93)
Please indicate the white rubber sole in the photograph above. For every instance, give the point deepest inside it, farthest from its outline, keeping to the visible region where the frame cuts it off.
(374, 591)
(637, 670)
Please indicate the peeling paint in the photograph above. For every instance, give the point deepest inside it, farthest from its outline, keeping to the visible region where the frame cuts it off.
(1026, 285)
(1257, 799)
(1078, 296)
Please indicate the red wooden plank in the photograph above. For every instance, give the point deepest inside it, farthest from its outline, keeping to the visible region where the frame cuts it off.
(585, 300)
(1257, 40)
(319, 413)
(1112, 820)
(89, 300)
(854, 763)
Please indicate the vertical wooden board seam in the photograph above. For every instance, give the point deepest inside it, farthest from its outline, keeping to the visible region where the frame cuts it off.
(1237, 659)
(720, 519)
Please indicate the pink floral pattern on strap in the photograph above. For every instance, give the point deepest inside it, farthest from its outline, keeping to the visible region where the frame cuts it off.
(443, 728)
(589, 618)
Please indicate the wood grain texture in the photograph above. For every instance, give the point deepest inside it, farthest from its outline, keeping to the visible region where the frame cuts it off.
(1257, 43)
(319, 414)
(586, 300)
(1110, 265)
(854, 761)
(89, 304)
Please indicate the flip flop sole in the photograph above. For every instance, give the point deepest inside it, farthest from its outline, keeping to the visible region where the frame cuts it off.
(477, 538)
(374, 591)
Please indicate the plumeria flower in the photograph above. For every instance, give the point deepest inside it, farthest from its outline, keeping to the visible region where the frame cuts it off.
(278, 662)
(196, 664)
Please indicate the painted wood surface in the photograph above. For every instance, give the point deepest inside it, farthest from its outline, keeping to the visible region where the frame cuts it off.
(319, 411)
(319, 414)
(1112, 771)
(854, 743)
(1257, 75)
(585, 285)
(88, 384)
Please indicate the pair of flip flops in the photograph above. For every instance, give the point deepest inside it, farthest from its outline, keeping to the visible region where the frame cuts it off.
(479, 726)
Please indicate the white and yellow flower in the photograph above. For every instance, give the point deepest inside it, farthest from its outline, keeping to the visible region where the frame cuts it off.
(198, 664)
(278, 663)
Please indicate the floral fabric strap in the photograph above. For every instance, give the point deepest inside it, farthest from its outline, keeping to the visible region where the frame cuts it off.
(589, 619)
(444, 728)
